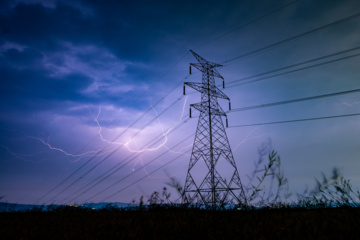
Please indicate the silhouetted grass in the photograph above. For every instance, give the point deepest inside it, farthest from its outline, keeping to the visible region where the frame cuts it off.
(179, 222)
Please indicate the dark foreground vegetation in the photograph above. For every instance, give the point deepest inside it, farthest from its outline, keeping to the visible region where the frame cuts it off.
(331, 210)
(182, 223)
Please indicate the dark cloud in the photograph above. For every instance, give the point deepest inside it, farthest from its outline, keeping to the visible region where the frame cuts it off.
(44, 33)
(122, 32)
(28, 58)
(37, 86)
(25, 81)
(132, 31)
(41, 27)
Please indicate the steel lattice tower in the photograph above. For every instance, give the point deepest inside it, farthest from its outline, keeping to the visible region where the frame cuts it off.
(211, 146)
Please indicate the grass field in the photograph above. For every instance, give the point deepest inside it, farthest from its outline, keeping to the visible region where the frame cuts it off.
(180, 223)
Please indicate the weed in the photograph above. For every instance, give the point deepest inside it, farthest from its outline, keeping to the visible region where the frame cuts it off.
(269, 188)
(335, 191)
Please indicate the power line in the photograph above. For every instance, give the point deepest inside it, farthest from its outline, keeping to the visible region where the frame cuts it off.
(110, 154)
(297, 70)
(303, 99)
(291, 66)
(148, 163)
(268, 123)
(297, 64)
(120, 165)
(293, 101)
(152, 172)
(246, 24)
(103, 149)
(297, 120)
(312, 31)
(125, 130)
(108, 144)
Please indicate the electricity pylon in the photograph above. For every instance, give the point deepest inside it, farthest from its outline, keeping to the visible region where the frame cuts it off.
(211, 150)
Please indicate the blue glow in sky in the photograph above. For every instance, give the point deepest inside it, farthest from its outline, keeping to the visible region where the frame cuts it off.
(77, 74)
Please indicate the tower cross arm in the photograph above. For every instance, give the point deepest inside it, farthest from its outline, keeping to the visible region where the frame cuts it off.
(218, 93)
(205, 69)
(198, 66)
(217, 74)
(203, 88)
(215, 110)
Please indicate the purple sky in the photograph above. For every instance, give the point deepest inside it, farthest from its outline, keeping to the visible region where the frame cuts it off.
(76, 74)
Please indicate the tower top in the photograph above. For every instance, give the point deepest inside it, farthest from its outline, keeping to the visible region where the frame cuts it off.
(205, 66)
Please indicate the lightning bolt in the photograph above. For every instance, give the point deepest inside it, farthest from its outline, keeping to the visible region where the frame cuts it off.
(130, 140)
(351, 104)
(100, 133)
(180, 151)
(100, 130)
(17, 155)
(165, 133)
(247, 138)
(163, 144)
(172, 126)
(89, 153)
(22, 156)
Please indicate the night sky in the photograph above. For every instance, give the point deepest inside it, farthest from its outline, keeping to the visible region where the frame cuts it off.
(75, 75)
